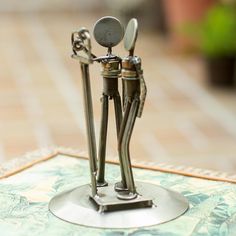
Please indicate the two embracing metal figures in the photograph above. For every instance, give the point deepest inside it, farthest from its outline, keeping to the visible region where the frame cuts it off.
(108, 32)
(126, 203)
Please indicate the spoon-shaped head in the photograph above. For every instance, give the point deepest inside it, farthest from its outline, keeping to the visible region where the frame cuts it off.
(131, 34)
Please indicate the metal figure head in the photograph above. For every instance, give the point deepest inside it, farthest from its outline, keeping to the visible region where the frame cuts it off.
(131, 34)
(108, 31)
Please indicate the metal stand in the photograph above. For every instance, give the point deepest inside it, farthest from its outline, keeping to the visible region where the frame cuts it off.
(127, 203)
(76, 207)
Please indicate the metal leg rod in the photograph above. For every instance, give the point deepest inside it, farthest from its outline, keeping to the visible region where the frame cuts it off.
(121, 135)
(102, 142)
(126, 142)
(118, 114)
(90, 126)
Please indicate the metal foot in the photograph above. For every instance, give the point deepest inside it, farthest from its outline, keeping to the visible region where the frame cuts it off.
(119, 186)
(102, 184)
(126, 195)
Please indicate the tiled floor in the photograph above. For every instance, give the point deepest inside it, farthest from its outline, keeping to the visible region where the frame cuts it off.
(185, 121)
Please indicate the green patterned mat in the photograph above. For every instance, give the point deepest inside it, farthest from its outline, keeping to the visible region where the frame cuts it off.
(24, 201)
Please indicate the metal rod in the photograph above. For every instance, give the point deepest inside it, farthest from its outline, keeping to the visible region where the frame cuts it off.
(102, 142)
(120, 141)
(118, 112)
(119, 118)
(88, 107)
(125, 145)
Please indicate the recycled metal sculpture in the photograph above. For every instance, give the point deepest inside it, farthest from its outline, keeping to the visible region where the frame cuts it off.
(100, 204)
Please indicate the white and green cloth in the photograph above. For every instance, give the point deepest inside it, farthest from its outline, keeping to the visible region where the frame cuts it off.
(24, 201)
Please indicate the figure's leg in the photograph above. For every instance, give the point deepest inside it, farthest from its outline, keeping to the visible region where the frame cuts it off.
(118, 113)
(132, 113)
(122, 186)
(102, 143)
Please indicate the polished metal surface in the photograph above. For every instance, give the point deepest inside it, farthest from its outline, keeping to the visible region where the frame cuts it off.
(76, 207)
(131, 34)
(108, 31)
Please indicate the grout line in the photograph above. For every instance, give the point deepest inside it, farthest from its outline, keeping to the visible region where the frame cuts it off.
(190, 131)
(182, 81)
(59, 74)
(226, 165)
(158, 96)
(153, 148)
(157, 91)
(31, 103)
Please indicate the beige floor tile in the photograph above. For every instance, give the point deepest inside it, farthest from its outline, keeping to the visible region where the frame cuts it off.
(185, 121)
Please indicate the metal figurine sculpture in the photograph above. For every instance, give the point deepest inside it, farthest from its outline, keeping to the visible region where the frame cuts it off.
(142, 204)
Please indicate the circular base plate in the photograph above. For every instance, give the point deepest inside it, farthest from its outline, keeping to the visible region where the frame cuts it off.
(75, 206)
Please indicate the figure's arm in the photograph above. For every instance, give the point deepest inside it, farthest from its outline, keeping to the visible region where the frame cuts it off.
(143, 89)
(81, 41)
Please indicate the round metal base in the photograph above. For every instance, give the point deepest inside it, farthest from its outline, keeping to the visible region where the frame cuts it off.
(76, 207)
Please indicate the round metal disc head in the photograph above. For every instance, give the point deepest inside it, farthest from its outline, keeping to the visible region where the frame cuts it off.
(131, 34)
(108, 31)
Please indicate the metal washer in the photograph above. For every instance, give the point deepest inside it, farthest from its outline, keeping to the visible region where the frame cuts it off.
(75, 207)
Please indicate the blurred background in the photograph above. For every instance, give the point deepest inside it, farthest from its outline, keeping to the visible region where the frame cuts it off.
(188, 49)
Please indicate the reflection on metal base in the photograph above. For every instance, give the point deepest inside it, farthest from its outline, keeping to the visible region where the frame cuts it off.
(75, 206)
